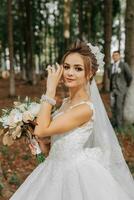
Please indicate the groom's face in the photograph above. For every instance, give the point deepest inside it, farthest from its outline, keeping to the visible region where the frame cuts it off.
(116, 56)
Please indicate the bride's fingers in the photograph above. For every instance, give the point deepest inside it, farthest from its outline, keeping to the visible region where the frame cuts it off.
(61, 71)
(49, 69)
(53, 69)
(32, 149)
(59, 68)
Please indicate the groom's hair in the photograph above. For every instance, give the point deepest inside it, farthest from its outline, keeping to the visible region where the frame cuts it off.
(117, 51)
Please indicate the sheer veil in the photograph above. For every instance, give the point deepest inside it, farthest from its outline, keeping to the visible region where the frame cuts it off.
(105, 138)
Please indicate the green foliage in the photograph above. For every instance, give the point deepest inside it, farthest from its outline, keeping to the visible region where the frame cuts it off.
(47, 25)
(4, 150)
(116, 7)
(131, 167)
(1, 188)
(3, 23)
(128, 129)
(14, 179)
(116, 18)
(97, 21)
(26, 157)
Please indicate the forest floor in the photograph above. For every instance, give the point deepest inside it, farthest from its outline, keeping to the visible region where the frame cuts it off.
(17, 162)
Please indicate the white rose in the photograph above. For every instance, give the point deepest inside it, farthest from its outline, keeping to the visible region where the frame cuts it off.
(15, 117)
(26, 116)
(18, 116)
(34, 108)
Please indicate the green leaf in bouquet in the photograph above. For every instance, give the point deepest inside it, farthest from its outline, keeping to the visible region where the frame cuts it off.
(40, 158)
(6, 111)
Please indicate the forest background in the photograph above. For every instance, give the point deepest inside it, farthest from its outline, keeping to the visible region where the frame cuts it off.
(35, 33)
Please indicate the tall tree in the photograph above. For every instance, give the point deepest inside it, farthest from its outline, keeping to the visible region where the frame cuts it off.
(10, 46)
(107, 38)
(129, 58)
(80, 14)
(29, 43)
(89, 15)
(67, 9)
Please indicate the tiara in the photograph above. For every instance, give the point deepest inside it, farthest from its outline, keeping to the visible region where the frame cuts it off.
(97, 53)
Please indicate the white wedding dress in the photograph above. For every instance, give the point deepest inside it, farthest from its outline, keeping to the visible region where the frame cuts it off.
(72, 171)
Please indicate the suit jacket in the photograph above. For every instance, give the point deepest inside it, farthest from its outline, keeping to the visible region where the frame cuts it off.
(121, 79)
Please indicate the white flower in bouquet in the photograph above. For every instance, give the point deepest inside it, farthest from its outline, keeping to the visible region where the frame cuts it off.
(17, 132)
(15, 117)
(5, 121)
(20, 106)
(20, 121)
(34, 108)
(27, 116)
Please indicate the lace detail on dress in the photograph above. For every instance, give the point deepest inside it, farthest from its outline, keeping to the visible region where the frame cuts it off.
(71, 145)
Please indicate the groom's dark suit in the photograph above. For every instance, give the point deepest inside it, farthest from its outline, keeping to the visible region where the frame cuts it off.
(120, 79)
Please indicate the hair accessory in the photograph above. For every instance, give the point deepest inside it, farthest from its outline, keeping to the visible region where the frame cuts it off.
(48, 99)
(97, 53)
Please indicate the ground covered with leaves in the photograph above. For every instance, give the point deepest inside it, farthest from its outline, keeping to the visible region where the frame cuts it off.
(16, 161)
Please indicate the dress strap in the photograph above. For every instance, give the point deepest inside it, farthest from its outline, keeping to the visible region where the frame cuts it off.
(63, 102)
(89, 103)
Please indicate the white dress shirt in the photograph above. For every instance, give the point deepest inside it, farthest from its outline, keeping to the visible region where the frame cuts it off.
(115, 66)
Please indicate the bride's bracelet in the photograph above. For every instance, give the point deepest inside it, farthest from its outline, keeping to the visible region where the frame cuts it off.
(48, 99)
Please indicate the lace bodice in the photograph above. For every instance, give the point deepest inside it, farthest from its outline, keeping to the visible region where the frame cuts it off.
(72, 143)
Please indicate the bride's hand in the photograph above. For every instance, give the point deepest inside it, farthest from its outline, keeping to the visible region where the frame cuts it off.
(54, 75)
(44, 144)
(32, 149)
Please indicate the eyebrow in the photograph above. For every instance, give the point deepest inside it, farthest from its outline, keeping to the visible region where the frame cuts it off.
(76, 65)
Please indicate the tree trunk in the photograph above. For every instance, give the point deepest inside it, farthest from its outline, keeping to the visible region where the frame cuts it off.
(10, 46)
(80, 14)
(30, 64)
(67, 9)
(119, 32)
(22, 53)
(107, 39)
(89, 37)
(129, 58)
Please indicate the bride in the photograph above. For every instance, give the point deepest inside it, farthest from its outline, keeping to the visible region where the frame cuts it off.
(85, 161)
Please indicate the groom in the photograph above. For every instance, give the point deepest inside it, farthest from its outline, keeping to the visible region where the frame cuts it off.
(120, 78)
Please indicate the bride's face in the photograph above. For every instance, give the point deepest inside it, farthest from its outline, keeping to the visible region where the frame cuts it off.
(74, 71)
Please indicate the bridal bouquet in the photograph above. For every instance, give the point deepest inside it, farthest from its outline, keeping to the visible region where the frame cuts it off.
(20, 121)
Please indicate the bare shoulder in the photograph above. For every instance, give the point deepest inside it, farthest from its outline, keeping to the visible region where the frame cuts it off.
(69, 120)
(81, 112)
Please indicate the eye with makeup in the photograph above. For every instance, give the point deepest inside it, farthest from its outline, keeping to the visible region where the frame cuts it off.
(77, 68)
(66, 67)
